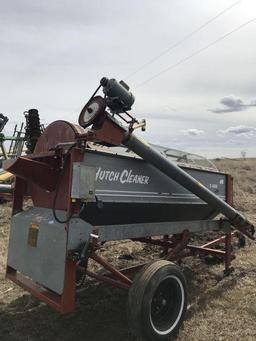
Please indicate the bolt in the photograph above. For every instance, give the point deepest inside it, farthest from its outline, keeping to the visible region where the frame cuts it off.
(164, 302)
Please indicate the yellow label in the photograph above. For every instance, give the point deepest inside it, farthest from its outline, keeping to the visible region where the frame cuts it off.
(33, 234)
(34, 226)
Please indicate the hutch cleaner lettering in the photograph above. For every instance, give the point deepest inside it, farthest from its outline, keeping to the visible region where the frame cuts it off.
(125, 176)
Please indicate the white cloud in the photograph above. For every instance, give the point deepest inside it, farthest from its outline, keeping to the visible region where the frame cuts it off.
(192, 132)
(241, 130)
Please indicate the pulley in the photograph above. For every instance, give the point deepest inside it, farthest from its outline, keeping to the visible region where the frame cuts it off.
(92, 111)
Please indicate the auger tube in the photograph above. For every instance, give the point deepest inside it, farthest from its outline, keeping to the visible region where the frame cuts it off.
(149, 154)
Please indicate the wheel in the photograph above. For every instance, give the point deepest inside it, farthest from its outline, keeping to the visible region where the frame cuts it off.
(157, 301)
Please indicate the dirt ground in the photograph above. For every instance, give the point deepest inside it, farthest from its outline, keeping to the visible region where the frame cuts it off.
(220, 308)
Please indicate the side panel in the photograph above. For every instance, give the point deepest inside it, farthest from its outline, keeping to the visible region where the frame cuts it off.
(133, 213)
(120, 179)
(83, 182)
(38, 245)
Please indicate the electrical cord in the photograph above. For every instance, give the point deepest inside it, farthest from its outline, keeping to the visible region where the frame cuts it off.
(58, 188)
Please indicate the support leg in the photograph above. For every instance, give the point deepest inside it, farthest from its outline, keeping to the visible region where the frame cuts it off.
(228, 255)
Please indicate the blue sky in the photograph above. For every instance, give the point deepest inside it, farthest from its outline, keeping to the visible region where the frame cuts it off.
(54, 53)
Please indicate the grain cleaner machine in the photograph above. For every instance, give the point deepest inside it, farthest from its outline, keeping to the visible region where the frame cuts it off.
(97, 182)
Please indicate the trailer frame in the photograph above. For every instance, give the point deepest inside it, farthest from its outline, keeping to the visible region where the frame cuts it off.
(174, 247)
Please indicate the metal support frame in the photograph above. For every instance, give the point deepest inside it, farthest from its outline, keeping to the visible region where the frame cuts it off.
(181, 249)
(228, 255)
(65, 302)
(111, 269)
(142, 230)
(177, 248)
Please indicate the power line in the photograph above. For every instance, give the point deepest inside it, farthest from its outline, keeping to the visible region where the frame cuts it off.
(196, 52)
(179, 42)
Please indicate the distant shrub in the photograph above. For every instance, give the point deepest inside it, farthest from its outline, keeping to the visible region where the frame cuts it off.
(246, 167)
(250, 189)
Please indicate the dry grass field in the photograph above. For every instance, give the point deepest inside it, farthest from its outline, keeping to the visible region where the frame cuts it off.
(220, 308)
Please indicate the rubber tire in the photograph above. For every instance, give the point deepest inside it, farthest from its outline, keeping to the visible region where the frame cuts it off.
(140, 297)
